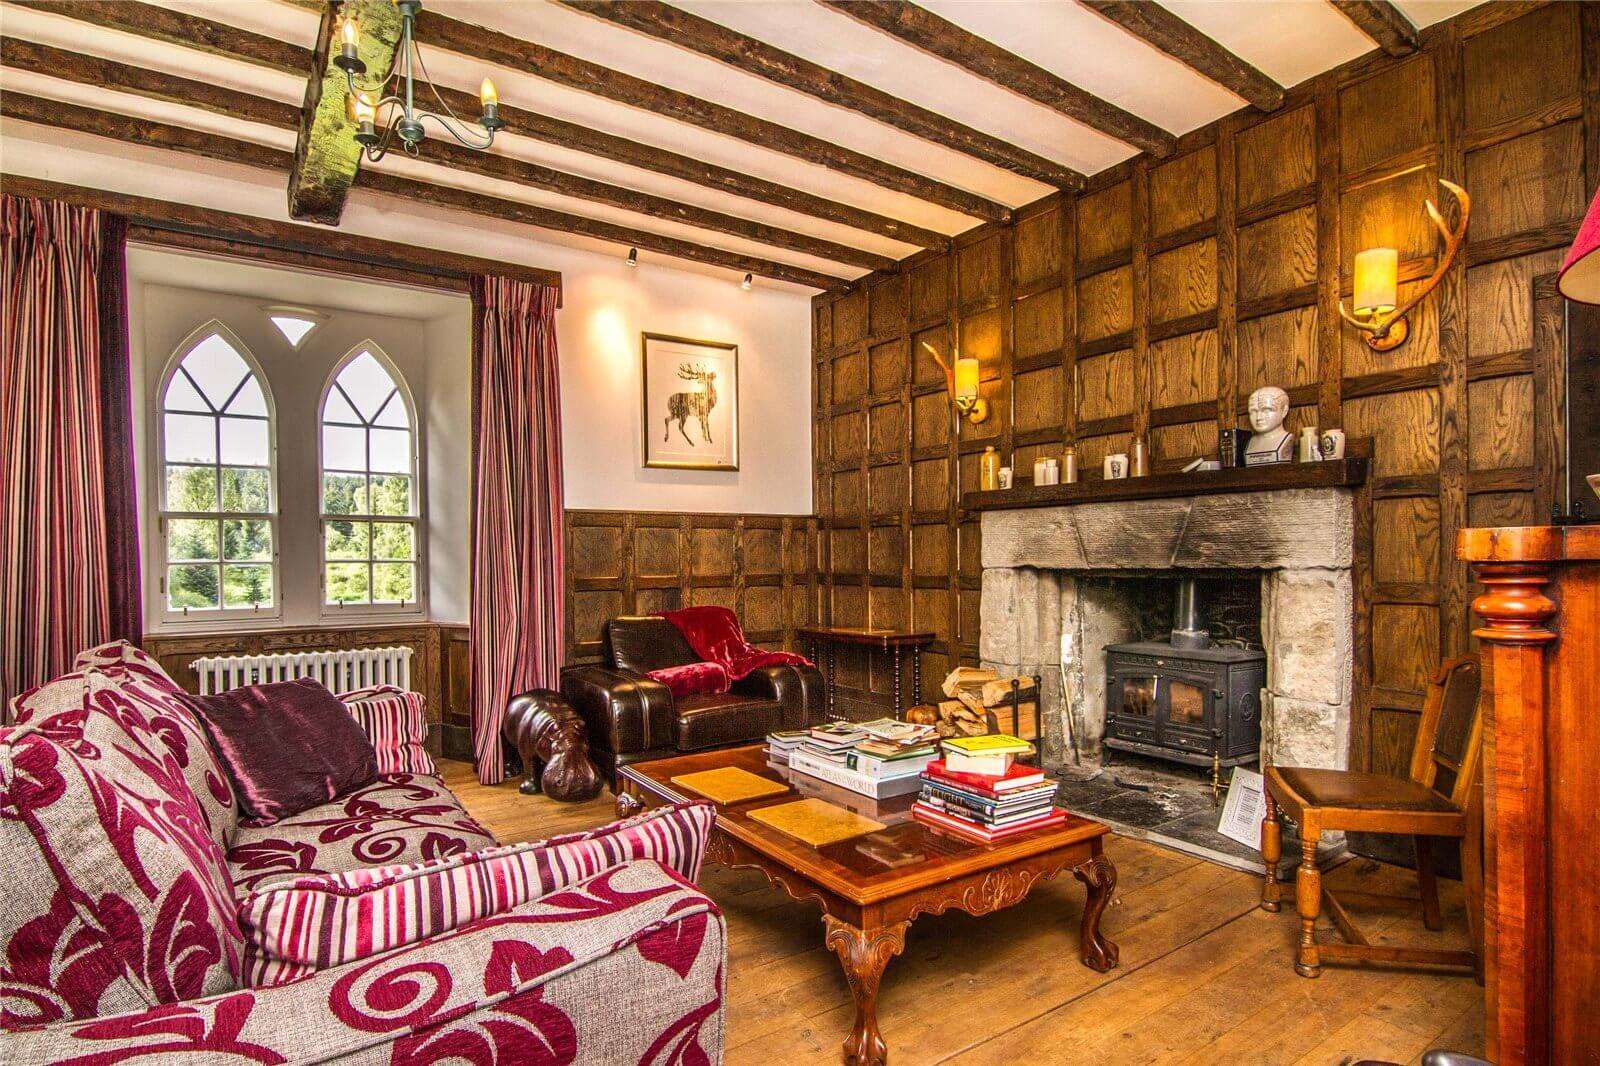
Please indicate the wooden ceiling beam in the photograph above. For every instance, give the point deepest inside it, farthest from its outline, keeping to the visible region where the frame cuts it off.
(1166, 32)
(492, 46)
(742, 52)
(326, 155)
(190, 31)
(127, 130)
(161, 24)
(205, 229)
(1383, 22)
(91, 70)
(922, 29)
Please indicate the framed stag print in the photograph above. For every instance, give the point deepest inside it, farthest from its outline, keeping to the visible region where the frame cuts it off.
(691, 403)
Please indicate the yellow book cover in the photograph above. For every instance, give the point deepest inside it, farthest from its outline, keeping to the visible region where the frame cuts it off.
(989, 744)
(813, 822)
(729, 784)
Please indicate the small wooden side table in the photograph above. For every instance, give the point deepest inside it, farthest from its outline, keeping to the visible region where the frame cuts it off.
(827, 639)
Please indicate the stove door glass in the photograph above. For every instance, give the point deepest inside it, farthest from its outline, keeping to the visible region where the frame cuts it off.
(1186, 703)
(1139, 697)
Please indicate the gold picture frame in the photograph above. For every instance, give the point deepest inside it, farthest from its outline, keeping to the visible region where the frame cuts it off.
(689, 402)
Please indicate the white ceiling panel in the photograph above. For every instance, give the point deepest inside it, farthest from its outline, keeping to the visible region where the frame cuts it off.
(1424, 13)
(1075, 44)
(74, 36)
(1287, 40)
(840, 43)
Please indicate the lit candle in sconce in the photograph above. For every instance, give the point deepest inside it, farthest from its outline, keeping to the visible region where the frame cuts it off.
(966, 380)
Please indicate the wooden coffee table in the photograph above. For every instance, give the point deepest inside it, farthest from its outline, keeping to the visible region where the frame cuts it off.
(872, 887)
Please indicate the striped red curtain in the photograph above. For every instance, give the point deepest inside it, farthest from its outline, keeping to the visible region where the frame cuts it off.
(69, 578)
(517, 545)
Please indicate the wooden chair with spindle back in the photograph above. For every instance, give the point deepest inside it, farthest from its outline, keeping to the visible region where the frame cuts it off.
(1440, 798)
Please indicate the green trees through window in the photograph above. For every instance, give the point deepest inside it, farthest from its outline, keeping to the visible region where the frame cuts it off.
(369, 505)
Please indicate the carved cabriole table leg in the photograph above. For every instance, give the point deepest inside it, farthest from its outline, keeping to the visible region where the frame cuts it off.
(628, 805)
(1099, 875)
(864, 954)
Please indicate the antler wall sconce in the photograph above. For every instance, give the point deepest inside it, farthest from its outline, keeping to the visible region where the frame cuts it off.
(963, 385)
(1377, 312)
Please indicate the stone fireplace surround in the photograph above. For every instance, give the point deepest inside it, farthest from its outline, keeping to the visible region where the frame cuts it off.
(1046, 604)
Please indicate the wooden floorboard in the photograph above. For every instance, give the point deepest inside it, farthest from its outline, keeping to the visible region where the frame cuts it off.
(1205, 975)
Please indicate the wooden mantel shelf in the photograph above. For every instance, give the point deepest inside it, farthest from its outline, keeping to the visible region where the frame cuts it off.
(1336, 474)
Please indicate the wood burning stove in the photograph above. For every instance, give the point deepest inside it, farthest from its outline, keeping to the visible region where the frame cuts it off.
(1184, 699)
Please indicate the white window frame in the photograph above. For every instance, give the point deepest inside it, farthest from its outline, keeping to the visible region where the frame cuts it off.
(158, 605)
(418, 519)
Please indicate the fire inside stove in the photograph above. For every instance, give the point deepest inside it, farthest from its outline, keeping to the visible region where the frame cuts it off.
(1185, 699)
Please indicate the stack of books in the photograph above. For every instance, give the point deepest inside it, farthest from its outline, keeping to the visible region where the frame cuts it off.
(979, 792)
(880, 759)
(781, 745)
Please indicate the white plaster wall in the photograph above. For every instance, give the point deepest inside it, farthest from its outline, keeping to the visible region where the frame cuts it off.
(605, 308)
(449, 383)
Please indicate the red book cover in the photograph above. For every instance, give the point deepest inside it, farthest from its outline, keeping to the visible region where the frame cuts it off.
(972, 831)
(1018, 776)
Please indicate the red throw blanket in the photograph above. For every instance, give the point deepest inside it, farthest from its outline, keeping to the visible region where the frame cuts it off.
(715, 636)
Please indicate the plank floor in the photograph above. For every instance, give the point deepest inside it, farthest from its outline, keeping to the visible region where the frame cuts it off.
(1205, 975)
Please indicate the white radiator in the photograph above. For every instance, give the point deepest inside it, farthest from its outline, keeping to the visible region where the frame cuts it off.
(340, 671)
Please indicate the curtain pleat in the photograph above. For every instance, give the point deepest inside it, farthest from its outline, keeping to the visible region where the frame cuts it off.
(126, 591)
(58, 572)
(517, 543)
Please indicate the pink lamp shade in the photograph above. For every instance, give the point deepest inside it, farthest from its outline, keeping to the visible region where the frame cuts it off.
(1580, 274)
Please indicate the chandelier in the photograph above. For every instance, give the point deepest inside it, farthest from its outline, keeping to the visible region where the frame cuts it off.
(398, 92)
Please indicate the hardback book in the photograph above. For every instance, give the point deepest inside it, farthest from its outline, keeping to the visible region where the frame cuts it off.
(991, 754)
(987, 821)
(874, 766)
(806, 762)
(986, 806)
(1018, 776)
(895, 731)
(972, 831)
(836, 735)
(882, 749)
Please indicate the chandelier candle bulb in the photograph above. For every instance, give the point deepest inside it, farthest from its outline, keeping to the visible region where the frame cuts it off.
(491, 105)
(349, 37)
(1376, 285)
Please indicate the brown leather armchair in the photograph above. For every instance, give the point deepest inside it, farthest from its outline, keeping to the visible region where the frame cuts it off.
(632, 717)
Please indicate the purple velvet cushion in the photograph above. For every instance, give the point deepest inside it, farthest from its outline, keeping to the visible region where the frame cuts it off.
(693, 679)
(289, 746)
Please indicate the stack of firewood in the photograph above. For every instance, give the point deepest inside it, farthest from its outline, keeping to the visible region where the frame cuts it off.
(973, 695)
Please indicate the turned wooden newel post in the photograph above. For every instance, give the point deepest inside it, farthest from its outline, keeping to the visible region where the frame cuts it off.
(1515, 610)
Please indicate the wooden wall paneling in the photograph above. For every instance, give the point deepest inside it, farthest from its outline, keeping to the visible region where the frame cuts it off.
(1455, 412)
(1101, 317)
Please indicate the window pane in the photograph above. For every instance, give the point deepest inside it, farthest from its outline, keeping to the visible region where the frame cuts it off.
(246, 489)
(394, 413)
(394, 583)
(191, 488)
(216, 368)
(247, 540)
(191, 539)
(391, 494)
(391, 451)
(344, 494)
(247, 586)
(192, 586)
(347, 583)
(244, 441)
(250, 400)
(181, 395)
(393, 540)
(367, 384)
(191, 438)
(343, 448)
(336, 409)
(346, 540)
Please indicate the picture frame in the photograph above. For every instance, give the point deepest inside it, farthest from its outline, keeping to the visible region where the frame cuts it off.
(682, 431)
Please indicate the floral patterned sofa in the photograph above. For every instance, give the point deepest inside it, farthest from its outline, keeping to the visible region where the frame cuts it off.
(141, 922)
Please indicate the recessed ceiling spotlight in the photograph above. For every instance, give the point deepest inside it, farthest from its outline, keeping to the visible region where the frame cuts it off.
(633, 257)
(749, 279)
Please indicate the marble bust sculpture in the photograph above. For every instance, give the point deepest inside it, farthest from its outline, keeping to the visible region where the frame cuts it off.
(1270, 442)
